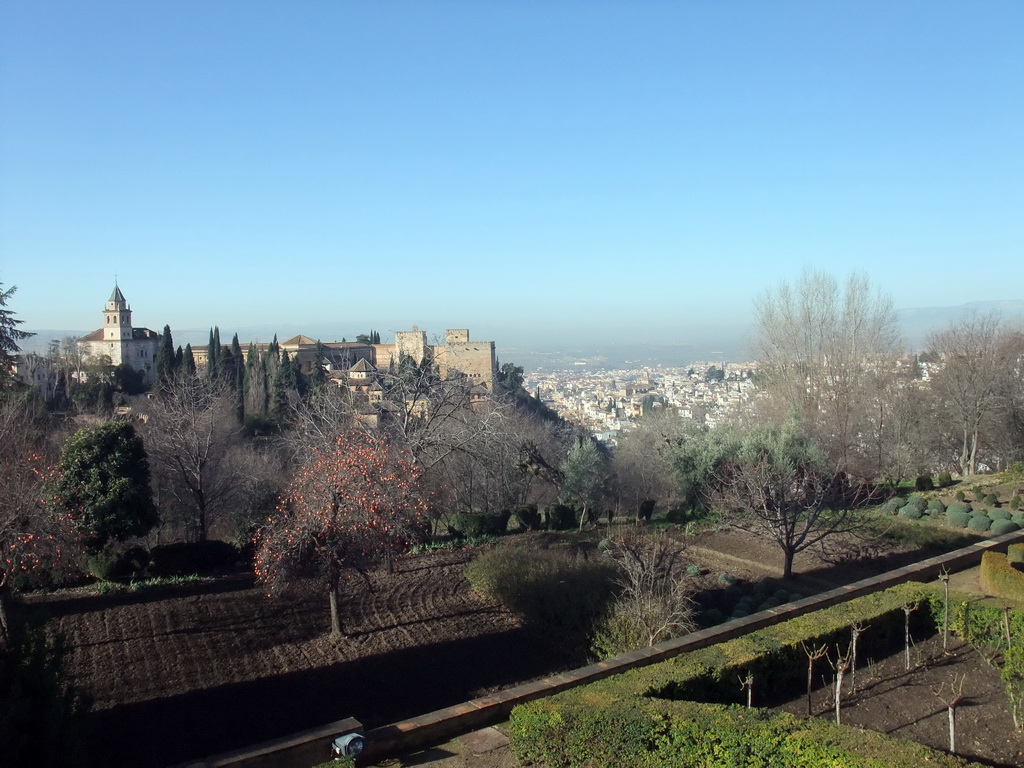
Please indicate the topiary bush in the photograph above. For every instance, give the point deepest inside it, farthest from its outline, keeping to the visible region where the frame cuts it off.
(923, 483)
(893, 505)
(186, 558)
(1018, 518)
(999, 514)
(936, 507)
(959, 495)
(645, 510)
(957, 519)
(999, 527)
(474, 524)
(1015, 502)
(920, 502)
(559, 517)
(110, 565)
(945, 480)
(958, 507)
(680, 515)
(726, 579)
(991, 499)
(911, 512)
(979, 523)
(528, 516)
(693, 570)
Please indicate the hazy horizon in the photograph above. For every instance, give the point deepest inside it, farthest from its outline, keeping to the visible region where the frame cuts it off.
(613, 171)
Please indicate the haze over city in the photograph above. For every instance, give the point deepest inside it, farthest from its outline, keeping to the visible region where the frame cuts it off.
(540, 173)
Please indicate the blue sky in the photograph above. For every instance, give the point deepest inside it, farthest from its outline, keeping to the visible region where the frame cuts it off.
(529, 170)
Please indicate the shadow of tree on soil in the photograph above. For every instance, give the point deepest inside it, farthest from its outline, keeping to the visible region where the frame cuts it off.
(376, 691)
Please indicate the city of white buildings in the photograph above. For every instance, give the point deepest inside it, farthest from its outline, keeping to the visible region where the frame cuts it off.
(608, 402)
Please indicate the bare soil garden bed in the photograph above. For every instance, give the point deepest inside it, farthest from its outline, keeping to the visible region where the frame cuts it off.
(184, 672)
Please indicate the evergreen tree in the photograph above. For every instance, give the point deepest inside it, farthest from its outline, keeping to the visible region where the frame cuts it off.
(318, 373)
(10, 335)
(284, 386)
(165, 358)
(188, 363)
(179, 359)
(103, 484)
(239, 378)
(213, 354)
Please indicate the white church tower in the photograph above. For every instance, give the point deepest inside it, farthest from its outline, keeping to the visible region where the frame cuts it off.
(119, 341)
(117, 327)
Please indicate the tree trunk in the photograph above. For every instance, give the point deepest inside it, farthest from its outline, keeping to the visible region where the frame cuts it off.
(333, 586)
(4, 627)
(335, 611)
(787, 563)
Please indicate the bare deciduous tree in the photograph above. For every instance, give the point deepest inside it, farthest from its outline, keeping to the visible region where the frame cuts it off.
(977, 378)
(780, 483)
(655, 600)
(817, 343)
(191, 435)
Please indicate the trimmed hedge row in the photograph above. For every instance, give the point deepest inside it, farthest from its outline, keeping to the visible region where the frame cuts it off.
(647, 733)
(1000, 578)
(637, 718)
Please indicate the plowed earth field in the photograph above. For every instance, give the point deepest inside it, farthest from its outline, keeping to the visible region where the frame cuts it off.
(190, 671)
(185, 672)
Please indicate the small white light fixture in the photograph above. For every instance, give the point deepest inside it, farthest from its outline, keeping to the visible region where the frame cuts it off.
(348, 745)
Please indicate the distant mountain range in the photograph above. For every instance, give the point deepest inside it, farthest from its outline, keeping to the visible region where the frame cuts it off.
(915, 323)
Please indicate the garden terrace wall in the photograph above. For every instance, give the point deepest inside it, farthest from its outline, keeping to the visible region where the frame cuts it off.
(443, 724)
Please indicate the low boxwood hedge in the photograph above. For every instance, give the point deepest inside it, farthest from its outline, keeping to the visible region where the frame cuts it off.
(646, 716)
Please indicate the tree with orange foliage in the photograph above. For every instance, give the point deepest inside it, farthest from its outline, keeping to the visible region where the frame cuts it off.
(33, 536)
(354, 504)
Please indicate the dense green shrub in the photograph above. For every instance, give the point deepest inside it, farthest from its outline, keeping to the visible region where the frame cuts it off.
(960, 495)
(528, 516)
(999, 527)
(936, 507)
(919, 502)
(979, 523)
(186, 558)
(945, 480)
(558, 591)
(911, 512)
(645, 510)
(642, 733)
(991, 499)
(1018, 518)
(956, 518)
(893, 505)
(923, 483)
(958, 506)
(559, 517)
(726, 579)
(113, 565)
(474, 524)
(1015, 502)
(1000, 578)
(1015, 552)
(999, 514)
(680, 515)
(693, 570)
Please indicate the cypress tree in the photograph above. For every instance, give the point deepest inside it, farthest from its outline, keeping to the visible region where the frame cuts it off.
(318, 373)
(165, 357)
(179, 359)
(188, 363)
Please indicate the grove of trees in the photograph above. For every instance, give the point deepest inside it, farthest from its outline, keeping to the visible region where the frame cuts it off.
(329, 478)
